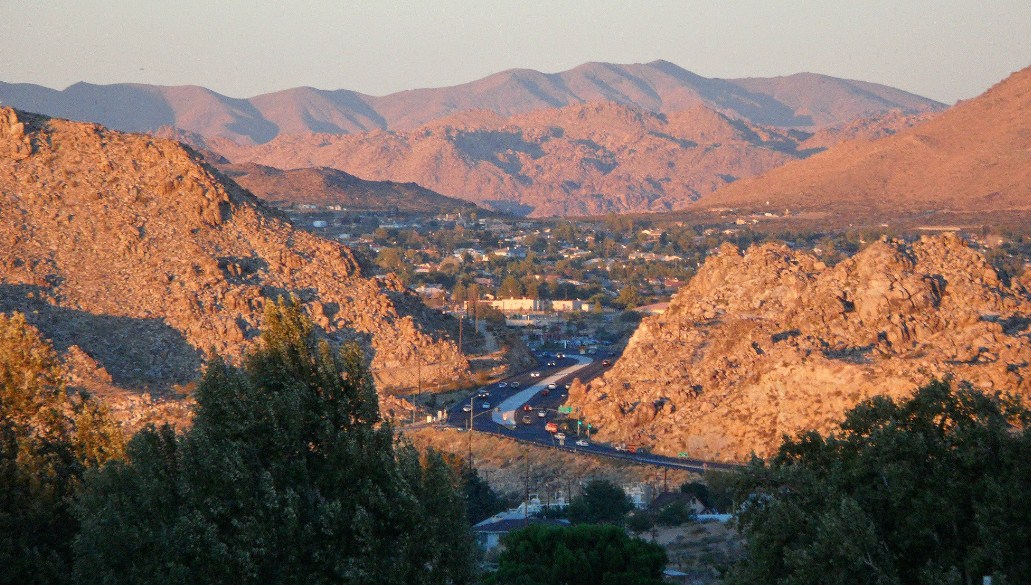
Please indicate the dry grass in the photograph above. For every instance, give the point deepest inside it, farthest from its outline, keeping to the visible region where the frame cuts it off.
(508, 466)
(702, 549)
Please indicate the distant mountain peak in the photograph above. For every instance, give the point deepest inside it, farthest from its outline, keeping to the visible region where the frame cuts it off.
(659, 86)
(972, 158)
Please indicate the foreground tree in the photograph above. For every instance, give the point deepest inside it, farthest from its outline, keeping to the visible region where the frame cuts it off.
(578, 555)
(48, 438)
(930, 490)
(287, 476)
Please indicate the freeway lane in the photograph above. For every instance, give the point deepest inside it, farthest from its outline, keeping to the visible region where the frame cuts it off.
(513, 403)
(528, 391)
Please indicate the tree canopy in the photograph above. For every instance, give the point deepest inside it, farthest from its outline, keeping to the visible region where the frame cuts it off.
(288, 475)
(578, 555)
(48, 438)
(600, 501)
(933, 489)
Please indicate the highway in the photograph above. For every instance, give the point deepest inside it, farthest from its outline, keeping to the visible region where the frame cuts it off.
(506, 414)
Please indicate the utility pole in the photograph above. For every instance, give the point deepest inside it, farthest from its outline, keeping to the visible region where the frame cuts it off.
(460, 319)
(526, 483)
(472, 407)
(418, 370)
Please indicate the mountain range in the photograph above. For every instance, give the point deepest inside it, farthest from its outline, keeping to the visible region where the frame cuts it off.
(803, 100)
(598, 138)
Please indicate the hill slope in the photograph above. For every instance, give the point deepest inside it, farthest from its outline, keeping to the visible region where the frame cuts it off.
(325, 186)
(772, 342)
(129, 250)
(975, 157)
(583, 159)
(804, 100)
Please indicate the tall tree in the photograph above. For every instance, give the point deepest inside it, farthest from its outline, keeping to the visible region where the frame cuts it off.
(600, 501)
(48, 438)
(928, 490)
(288, 475)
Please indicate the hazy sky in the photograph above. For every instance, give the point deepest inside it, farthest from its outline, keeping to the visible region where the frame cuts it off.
(946, 50)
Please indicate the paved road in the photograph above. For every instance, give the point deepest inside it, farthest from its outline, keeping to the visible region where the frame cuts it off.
(510, 407)
(529, 391)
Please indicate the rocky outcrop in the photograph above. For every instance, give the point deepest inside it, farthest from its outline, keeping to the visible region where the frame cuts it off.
(133, 250)
(772, 341)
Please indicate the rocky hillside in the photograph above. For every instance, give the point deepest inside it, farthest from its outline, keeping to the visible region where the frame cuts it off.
(324, 187)
(975, 157)
(583, 159)
(772, 341)
(804, 100)
(130, 253)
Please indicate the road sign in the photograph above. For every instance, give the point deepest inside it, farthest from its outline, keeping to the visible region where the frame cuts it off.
(565, 409)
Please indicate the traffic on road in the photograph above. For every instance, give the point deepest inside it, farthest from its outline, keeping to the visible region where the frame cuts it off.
(530, 407)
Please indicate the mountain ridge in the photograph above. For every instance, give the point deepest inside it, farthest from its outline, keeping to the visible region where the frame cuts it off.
(974, 157)
(582, 159)
(658, 86)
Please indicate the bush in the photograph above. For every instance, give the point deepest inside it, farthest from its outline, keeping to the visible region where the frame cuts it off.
(587, 555)
(640, 521)
(673, 514)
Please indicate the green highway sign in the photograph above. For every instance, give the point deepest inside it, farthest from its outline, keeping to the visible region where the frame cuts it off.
(565, 409)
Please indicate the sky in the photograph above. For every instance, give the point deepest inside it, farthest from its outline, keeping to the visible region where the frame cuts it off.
(946, 49)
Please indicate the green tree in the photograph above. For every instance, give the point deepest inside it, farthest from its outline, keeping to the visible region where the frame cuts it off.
(288, 475)
(510, 288)
(628, 297)
(578, 555)
(927, 490)
(391, 260)
(481, 500)
(600, 502)
(48, 438)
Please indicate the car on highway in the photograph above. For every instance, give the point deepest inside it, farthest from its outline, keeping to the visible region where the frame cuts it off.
(552, 364)
(502, 384)
(514, 384)
(482, 394)
(582, 443)
(542, 413)
(527, 420)
(467, 408)
(552, 386)
(535, 374)
(606, 363)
